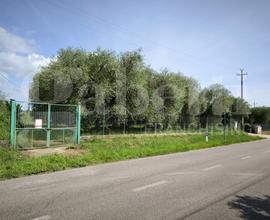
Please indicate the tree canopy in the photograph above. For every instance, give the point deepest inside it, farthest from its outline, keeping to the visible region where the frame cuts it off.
(121, 88)
(260, 115)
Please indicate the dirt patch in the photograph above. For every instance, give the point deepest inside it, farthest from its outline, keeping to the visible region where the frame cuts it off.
(267, 136)
(57, 150)
(74, 152)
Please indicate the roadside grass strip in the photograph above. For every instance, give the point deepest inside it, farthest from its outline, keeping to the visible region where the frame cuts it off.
(13, 163)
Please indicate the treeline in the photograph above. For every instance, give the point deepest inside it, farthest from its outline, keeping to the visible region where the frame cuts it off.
(4, 117)
(260, 115)
(119, 88)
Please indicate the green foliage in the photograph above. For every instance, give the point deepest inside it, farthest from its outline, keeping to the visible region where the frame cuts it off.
(14, 163)
(216, 99)
(4, 117)
(120, 86)
(240, 107)
(113, 88)
(260, 115)
(26, 119)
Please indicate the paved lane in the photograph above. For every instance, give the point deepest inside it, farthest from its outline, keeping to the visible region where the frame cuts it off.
(202, 184)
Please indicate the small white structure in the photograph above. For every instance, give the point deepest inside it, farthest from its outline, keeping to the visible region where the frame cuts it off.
(258, 129)
(206, 136)
(38, 123)
(236, 125)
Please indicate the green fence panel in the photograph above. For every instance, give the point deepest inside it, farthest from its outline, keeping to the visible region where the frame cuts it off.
(35, 124)
(49, 126)
(78, 124)
(13, 123)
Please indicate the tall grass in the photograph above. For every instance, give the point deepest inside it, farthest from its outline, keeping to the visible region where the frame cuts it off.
(14, 163)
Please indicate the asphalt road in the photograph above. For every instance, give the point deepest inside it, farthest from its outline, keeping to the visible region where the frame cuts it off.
(231, 182)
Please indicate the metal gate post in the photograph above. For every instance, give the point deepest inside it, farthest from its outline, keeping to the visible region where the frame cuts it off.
(78, 124)
(49, 126)
(13, 123)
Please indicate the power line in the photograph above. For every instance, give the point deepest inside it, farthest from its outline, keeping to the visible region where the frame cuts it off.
(3, 76)
(121, 29)
(242, 74)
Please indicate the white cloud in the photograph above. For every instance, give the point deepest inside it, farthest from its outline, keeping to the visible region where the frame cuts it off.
(12, 43)
(21, 66)
(18, 63)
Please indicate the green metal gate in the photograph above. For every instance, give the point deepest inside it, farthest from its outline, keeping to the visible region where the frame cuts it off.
(35, 124)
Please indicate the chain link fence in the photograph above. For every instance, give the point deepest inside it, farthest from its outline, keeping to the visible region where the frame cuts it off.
(36, 124)
(198, 124)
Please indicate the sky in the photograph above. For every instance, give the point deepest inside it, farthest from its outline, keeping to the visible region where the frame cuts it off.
(209, 40)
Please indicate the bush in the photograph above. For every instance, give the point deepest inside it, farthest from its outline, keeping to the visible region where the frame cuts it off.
(4, 120)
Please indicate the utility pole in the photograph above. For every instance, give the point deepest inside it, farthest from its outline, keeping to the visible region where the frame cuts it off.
(242, 74)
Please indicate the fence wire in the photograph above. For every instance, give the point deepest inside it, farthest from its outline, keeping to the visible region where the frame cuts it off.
(43, 124)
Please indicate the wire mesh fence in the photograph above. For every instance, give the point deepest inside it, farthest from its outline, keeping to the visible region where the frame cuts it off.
(48, 125)
(43, 124)
(199, 124)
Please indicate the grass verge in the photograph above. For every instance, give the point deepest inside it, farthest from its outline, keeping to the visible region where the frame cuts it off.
(14, 164)
(266, 132)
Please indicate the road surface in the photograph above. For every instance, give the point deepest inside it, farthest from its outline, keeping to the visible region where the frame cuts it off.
(230, 182)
